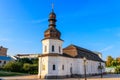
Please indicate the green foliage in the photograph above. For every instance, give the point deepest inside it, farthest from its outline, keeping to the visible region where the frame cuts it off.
(117, 70)
(114, 63)
(24, 65)
(25, 60)
(34, 61)
(109, 61)
(33, 69)
(118, 60)
(13, 66)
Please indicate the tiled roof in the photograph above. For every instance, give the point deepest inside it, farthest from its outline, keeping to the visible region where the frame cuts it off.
(55, 54)
(82, 52)
(6, 58)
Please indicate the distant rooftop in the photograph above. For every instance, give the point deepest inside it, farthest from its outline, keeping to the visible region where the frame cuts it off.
(26, 54)
(6, 58)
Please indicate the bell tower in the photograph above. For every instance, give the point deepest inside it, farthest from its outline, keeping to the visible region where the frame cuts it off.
(52, 42)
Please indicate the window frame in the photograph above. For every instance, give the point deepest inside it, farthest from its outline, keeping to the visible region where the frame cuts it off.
(62, 67)
(53, 48)
(53, 67)
(59, 49)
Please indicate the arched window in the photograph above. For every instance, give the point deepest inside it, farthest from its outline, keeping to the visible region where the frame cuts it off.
(59, 49)
(53, 48)
(54, 67)
(62, 67)
(45, 48)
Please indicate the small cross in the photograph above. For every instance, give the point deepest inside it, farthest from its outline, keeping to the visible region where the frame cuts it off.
(52, 7)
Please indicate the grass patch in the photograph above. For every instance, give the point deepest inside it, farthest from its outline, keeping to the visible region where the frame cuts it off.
(112, 66)
(4, 73)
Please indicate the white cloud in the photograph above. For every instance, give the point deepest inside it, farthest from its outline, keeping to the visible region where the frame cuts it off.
(106, 48)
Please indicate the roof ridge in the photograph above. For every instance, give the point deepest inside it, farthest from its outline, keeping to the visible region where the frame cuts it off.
(80, 47)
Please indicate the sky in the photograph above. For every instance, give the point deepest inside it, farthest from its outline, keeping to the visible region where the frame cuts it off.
(91, 24)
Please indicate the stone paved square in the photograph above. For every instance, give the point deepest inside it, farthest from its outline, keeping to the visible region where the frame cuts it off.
(34, 77)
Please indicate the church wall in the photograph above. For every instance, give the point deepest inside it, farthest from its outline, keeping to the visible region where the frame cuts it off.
(48, 43)
(59, 63)
(43, 67)
(53, 60)
(103, 67)
(92, 67)
(64, 62)
(77, 65)
(56, 43)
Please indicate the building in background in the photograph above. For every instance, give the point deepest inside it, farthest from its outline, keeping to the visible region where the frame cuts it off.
(3, 51)
(56, 62)
(4, 58)
(30, 56)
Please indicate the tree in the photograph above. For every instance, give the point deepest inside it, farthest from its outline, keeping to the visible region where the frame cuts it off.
(109, 61)
(117, 70)
(34, 61)
(26, 67)
(34, 69)
(25, 60)
(23, 65)
(30, 68)
(13, 66)
(114, 63)
(118, 60)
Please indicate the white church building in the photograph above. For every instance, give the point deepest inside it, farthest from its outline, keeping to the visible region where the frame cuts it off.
(56, 62)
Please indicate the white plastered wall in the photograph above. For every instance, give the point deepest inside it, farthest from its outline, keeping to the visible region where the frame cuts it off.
(77, 65)
(49, 42)
(43, 66)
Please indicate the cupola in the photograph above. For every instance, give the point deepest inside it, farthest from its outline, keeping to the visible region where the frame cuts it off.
(52, 32)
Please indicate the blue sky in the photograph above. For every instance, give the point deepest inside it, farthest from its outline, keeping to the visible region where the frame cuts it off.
(91, 24)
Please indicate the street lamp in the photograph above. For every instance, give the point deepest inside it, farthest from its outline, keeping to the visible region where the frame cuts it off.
(101, 67)
(84, 59)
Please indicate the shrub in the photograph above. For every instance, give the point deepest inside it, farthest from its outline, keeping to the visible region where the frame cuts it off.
(13, 66)
(22, 65)
(26, 67)
(117, 70)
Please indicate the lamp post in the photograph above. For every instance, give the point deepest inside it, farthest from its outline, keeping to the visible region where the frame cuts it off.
(84, 59)
(101, 67)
